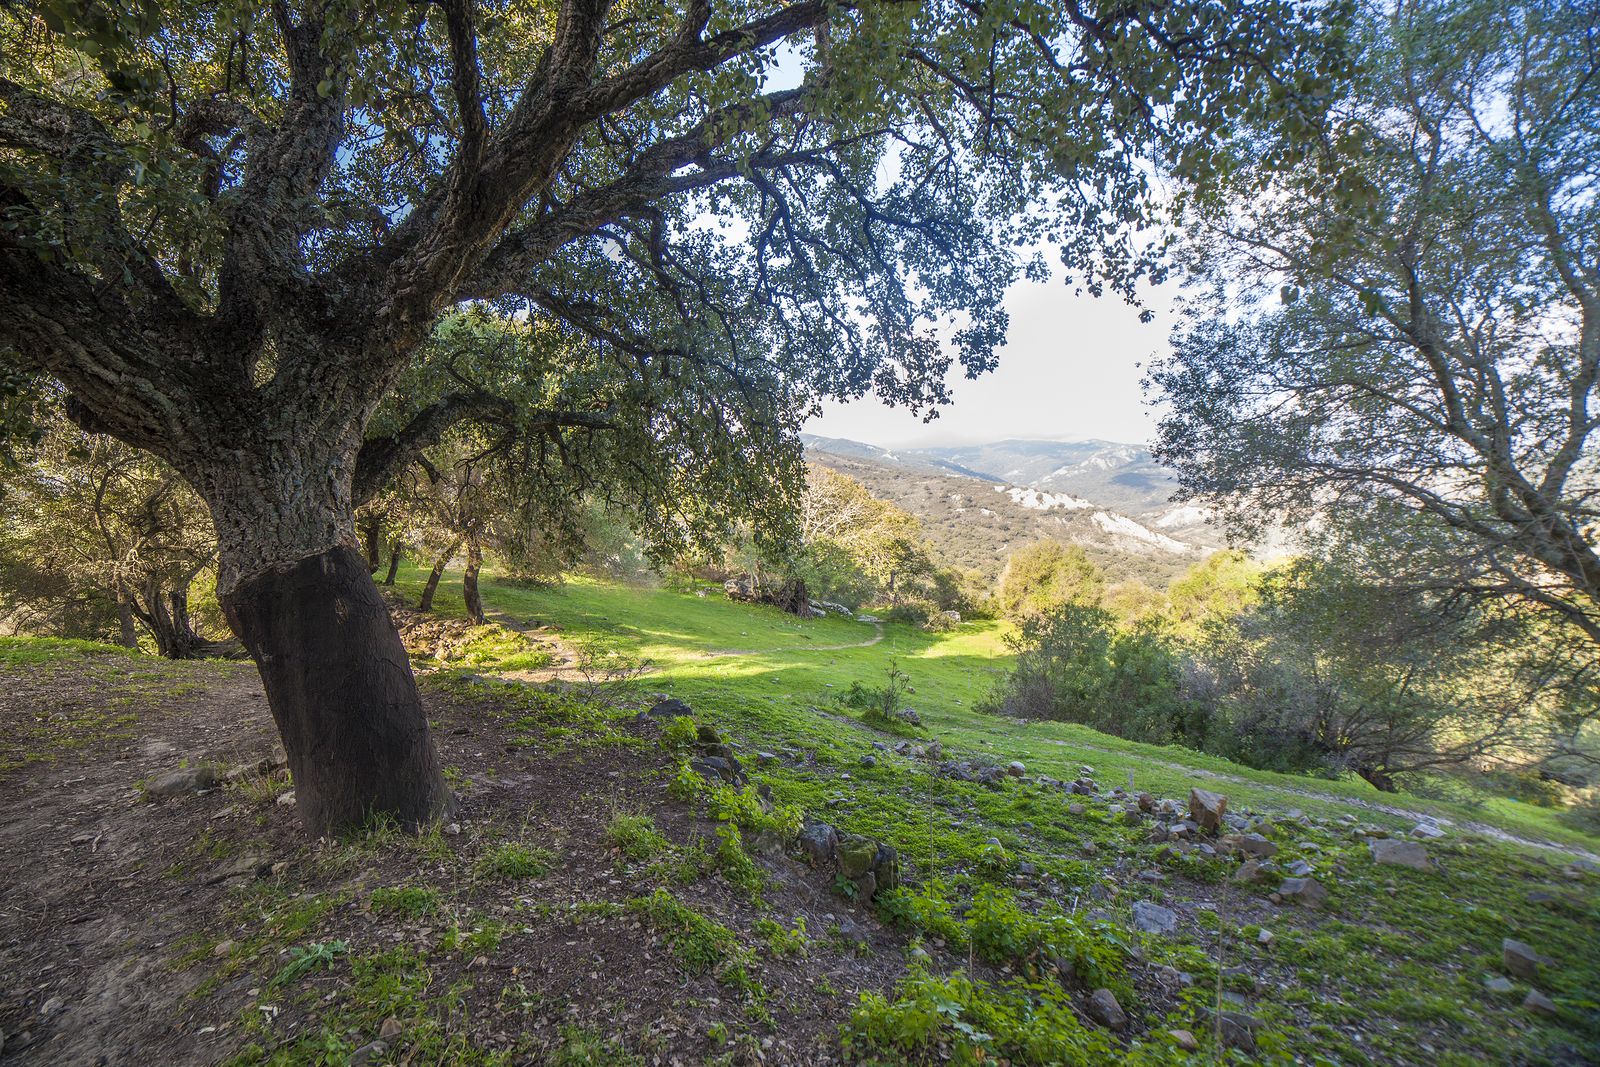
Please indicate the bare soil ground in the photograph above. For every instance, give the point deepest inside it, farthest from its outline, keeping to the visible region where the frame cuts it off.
(131, 930)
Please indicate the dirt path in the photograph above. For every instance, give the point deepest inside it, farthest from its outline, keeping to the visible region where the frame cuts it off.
(92, 903)
(1481, 828)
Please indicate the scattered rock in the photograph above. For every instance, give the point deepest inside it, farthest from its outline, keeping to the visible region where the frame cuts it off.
(390, 1029)
(1184, 1040)
(1016, 769)
(820, 842)
(371, 1052)
(286, 800)
(856, 856)
(1238, 1030)
(53, 1006)
(1538, 1003)
(1207, 809)
(1306, 891)
(1299, 868)
(1249, 871)
(182, 780)
(1153, 918)
(1400, 853)
(1521, 960)
(1497, 984)
(766, 759)
(866, 887)
(1427, 830)
(247, 865)
(869, 760)
(1251, 845)
(886, 867)
(1104, 1009)
(222, 949)
(669, 708)
(1264, 938)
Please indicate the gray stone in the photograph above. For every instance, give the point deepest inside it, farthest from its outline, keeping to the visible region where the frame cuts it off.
(1252, 845)
(182, 780)
(886, 867)
(1299, 868)
(53, 1006)
(1520, 960)
(1497, 984)
(1238, 1030)
(368, 1053)
(1104, 1009)
(1207, 808)
(1016, 769)
(1400, 853)
(866, 887)
(1538, 1003)
(1249, 871)
(869, 760)
(856, 856)
(1184, 1040)
(1153, 918)
(1306, 891)
(1427, 830)
(820, 842)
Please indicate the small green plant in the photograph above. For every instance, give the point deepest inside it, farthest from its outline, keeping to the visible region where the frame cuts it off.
(411, 901)
(784, 943)
(636, 836)
(307, 958)
(700, 944)
(513, 860)
(735, 863)
(679, 732)
(479, 939)
(879, 705)
(718, 1034)
(973, 1022)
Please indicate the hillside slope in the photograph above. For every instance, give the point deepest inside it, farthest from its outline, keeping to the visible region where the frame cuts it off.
(607, 896)
(975, 523)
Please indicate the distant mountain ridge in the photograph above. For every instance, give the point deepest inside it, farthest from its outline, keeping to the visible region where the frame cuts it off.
(979, 502)
(1117, 475)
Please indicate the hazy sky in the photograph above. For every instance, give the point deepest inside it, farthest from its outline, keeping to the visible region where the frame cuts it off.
(1071, 369)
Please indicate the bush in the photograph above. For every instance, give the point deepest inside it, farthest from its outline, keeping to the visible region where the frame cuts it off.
(1076, 664)
(879, 705)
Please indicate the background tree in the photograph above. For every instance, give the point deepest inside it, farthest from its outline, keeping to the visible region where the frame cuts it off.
(1045, 575)
(1334, 671)
(101, 540)
(1421, 401)
(229, 232)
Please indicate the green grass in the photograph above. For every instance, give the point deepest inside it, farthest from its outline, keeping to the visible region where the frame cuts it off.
(1396, 945)
(785, 691)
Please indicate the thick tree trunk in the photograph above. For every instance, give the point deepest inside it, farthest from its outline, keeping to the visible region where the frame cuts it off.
(394, 563)
(426, 603)
(341, 689)
(469, 581)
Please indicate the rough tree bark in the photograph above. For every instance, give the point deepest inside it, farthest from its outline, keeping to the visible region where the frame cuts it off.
(341, 689)
(394, 562)
(469, 581)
